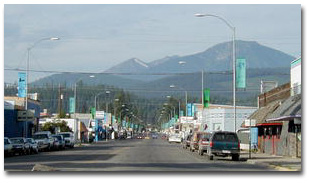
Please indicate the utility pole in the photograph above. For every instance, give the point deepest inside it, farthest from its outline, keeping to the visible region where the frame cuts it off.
(59, 101)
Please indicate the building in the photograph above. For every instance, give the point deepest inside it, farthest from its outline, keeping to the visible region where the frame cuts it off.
(17, 121)
(279, 117)
(221, 117)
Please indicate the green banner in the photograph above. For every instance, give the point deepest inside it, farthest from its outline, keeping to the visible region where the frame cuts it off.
(72, 105)
(241, 73)
(93, 112)
(206, 97)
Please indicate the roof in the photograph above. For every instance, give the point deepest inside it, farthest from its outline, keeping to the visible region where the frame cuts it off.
(289, 109)
(261, 114)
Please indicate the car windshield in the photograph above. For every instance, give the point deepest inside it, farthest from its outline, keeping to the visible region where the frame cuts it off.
(17, 141)
(6, 141)
(30, 140)
(58, 137)
(40, 136)
(66, 135)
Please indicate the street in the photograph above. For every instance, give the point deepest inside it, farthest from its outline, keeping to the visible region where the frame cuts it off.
(129, 155)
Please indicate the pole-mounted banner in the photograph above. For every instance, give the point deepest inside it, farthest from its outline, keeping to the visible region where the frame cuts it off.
(241, 73)
(21, 84)
(206, 97)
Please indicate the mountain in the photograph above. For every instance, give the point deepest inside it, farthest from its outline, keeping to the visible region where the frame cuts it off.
(216, 58)
(263, 63)
(98, 79)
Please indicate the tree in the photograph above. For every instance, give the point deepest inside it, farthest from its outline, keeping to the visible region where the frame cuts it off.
(51, 126)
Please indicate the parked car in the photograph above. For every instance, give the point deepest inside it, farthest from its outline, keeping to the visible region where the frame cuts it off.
(224, 144)
(20, 145)
(68, 138)
(8, 147)
(174, 138)
(186, 141)
(56, 144)
(163, 136)
(154, 136)
(34, 148)
(194, 140)
(203, 143)
(60, 141)
(140, 136)
(44, 140)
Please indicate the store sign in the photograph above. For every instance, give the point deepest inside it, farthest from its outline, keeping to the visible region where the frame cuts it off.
(25, 115)
(99, 115)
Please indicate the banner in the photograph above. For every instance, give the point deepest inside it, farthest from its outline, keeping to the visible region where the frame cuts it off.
(206, 97)
(241, 73)
(72, 105)
(21, 84)
(92, 110)
(189, 109)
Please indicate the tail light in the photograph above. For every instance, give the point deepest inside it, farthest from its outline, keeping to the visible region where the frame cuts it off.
(238, 145)
(211, 144)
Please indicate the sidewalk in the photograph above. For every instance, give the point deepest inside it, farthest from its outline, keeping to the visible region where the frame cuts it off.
(281, 163)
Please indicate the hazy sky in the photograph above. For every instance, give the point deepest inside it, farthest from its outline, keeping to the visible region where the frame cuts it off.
(97, 37)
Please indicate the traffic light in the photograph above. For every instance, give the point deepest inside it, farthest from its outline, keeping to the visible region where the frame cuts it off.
(206, 97)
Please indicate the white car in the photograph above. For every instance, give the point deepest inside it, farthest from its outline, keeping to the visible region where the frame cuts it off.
(44, 140)
(174, 138)
(68, 139)
(8, 147)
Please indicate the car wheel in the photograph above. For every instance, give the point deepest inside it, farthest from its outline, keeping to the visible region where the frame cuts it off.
(235, 157)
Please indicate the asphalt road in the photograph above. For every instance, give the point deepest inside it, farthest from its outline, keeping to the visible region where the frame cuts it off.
(128, 155)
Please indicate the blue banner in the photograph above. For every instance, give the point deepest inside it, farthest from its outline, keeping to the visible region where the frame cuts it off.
(21, 84)
(72, 105)
(189, 109)
(241, 73)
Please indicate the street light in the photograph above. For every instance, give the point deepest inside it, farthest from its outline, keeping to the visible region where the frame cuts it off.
(178, 107)
(173, 86)
(234, 58)
(75, 85)
(27, 71)
(28, 62)
(183, 63)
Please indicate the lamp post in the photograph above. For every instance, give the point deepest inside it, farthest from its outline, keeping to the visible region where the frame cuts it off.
(95, 98)
(27, 71)
(75, 85)
(173, 86)
(202, 73)
(234, 58)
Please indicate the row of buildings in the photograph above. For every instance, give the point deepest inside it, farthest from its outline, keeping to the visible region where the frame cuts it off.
(274, 126)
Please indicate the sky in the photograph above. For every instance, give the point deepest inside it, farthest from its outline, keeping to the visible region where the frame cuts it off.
(94, 38)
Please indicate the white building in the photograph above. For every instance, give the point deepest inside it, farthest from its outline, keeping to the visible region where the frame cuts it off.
(296, 77)
(221, 117)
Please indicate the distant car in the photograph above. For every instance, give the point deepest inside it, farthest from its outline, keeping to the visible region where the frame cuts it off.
(203, 143)
(68, 138)
(186, 141)
(224, 144)
(194, 140)
(20, 145)
(140, 136)
(34, 148)
(154, 136)
(174, 138)
(44, 140)
(60, 141)
(163, 136)
(8, 147)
